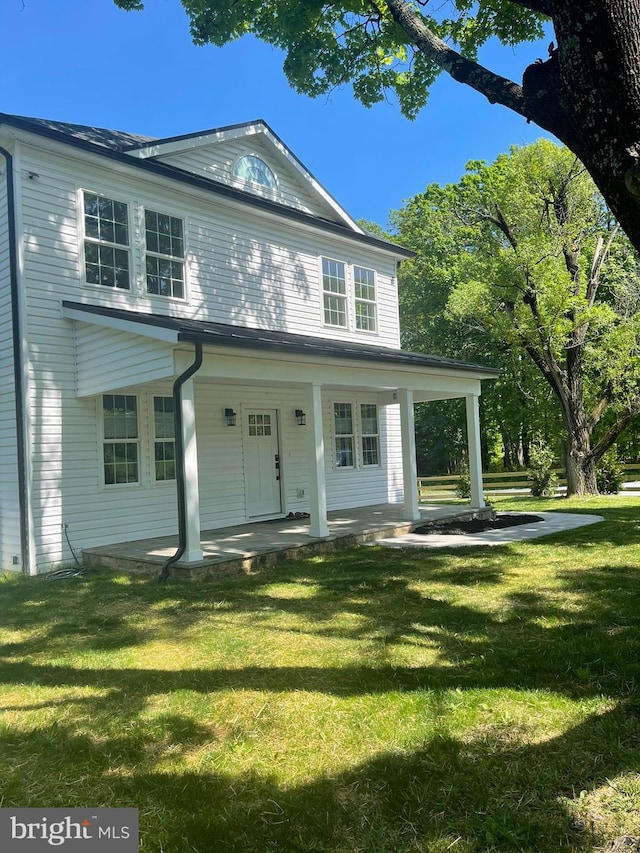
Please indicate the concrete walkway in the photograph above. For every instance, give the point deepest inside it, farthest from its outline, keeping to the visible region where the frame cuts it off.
(552, 522)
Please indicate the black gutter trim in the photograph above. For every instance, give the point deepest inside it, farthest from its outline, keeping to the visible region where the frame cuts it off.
(180, 469)
(216, 187)
(23, 488)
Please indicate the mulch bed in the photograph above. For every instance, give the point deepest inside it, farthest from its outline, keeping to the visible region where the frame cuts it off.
(478, 525)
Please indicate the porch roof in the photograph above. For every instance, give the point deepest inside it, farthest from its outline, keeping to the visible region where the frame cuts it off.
(185, 330)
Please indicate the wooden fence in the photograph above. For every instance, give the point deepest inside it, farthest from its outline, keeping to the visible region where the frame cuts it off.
(443, 487)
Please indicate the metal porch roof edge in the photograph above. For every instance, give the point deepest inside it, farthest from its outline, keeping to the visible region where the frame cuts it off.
(225, 335)
(55, 133)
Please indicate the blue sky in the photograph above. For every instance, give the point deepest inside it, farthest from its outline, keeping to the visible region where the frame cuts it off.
(86, 61)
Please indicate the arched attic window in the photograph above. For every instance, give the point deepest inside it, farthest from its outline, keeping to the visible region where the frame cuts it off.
(249, 167)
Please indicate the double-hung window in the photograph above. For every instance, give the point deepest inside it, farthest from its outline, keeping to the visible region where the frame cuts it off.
(164, 440)
(344, 435)
(334, 287)
(356, 426)
(164, 235)
(364, 291)
(369, 434)
(106, 243)
(121, 439)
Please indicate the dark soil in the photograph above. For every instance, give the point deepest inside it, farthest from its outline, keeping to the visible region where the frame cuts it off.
(478, 525)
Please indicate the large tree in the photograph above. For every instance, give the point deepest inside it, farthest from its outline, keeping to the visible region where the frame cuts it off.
(536, 262)
(586, 92)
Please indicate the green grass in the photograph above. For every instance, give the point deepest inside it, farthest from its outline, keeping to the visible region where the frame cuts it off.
(365, 700)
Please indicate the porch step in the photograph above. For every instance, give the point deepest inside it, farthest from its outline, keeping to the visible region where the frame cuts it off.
(266, 548)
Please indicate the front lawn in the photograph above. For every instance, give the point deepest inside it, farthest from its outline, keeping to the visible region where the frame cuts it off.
(366, 700)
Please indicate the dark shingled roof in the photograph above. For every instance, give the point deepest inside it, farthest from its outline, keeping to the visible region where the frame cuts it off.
(225, 335)
(116, 140)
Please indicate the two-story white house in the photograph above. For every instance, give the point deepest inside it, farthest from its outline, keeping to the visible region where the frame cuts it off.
(194, 334)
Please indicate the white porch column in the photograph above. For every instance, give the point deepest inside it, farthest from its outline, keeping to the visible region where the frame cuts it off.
(318, 527)
(475, 454)
(409, 465)
(193, 552)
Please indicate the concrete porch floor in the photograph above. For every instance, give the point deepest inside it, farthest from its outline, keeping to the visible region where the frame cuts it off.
(246, 547)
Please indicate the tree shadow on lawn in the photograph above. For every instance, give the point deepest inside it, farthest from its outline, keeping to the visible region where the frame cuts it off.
(589, 645)
(492, 792)
(495, 791)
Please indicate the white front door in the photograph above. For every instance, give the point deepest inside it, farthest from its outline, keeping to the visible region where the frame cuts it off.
(263, 463)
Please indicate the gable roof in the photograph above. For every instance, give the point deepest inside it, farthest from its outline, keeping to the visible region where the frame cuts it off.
(247, 131)
(131, 148)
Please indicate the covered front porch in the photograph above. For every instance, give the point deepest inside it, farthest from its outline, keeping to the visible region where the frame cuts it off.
(247, 548)
(353, 441)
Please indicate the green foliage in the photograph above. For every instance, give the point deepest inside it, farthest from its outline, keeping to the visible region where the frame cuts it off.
(609, 473)
(520, 265)
(327, 45)
(463, 485)
(543, 480)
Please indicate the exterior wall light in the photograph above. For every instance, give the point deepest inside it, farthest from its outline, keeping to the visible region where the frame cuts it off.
(301, 418)
(230, 417)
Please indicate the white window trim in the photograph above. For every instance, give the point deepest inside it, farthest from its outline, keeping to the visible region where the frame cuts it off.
(358, 435)
(84, 239)
(153, 439)
(345, 296)
(357, 299)
(335, 436)
(142, 477)
(137, 248)
(142, 209)
(363, 435)
(350, 297)
(269, 192)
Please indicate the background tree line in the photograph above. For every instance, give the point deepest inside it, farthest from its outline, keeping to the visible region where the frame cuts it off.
(521, 265)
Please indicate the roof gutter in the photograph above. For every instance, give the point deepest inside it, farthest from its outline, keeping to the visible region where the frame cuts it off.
(23, 488)
(180, 466)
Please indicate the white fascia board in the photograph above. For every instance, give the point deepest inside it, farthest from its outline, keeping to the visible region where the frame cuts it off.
(256, 366)
(116, 324)
(317, 187)
(158, 148)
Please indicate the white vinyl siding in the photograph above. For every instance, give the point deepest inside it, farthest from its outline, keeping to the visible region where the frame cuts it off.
(217, 161)
(365, 485)
(243, 268)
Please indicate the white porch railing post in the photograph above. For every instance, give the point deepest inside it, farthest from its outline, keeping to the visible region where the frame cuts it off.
(409, 464)
(318, 527)
(193, 552)
(474, 447)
